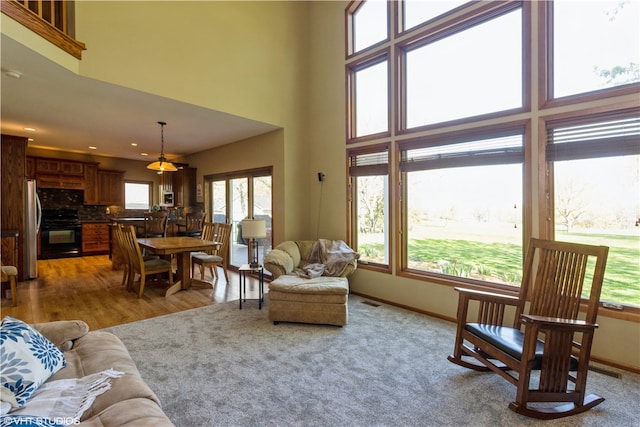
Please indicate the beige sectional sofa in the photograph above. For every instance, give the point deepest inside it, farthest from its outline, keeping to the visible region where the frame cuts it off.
(130, 401)
(310, 281)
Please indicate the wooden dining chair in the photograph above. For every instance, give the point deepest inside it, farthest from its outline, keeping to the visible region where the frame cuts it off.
(138, 265)
(9, 273)
(216, 257)
(155, 224)
(118, 240)
(192, 224)
(549, 338)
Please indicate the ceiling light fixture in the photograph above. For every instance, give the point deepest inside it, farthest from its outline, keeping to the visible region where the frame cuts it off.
(162, 165)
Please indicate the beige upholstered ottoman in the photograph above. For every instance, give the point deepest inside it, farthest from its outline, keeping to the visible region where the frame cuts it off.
(320, 300)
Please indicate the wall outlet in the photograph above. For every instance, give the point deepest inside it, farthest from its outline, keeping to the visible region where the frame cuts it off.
(320, 176)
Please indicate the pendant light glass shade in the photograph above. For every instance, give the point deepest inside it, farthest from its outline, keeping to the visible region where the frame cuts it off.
(162, 165)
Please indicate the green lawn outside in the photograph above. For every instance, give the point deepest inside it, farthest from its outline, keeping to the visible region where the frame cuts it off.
(496, 262)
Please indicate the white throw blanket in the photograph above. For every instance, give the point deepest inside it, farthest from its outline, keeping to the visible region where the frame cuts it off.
(66, 400)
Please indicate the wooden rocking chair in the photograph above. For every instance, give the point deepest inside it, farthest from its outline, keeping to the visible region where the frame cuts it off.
(550, 338)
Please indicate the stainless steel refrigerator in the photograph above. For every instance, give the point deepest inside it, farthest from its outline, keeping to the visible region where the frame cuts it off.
(32, 217)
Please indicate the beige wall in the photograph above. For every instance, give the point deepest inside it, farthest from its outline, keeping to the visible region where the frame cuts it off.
(243, 58)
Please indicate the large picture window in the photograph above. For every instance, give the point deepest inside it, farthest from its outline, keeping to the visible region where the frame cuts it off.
(464, 208)
(489, 145)
(596, 45)
(595, 165)
(483, 76)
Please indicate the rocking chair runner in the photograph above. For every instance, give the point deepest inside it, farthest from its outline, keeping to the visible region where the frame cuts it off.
(553, 340)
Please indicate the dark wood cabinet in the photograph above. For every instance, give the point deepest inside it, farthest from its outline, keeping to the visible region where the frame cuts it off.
(70, 182)
(56, 173)
(95, 238)
(91, 184)
(13, 173)
(31, 168)
(101, 186)
(184, 187)
(110, 187)
(55, 166)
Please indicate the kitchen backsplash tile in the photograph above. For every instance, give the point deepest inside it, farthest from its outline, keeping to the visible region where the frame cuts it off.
(57, 198)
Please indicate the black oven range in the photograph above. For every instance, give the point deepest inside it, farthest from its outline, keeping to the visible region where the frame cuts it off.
(60, 234)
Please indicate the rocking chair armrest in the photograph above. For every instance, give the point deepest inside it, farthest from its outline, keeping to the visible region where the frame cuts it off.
(559, 323)
(472, 294)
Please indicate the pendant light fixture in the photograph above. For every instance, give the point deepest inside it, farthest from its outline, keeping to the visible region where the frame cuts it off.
(162, 165)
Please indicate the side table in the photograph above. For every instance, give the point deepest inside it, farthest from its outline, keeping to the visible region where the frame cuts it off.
(242, 272)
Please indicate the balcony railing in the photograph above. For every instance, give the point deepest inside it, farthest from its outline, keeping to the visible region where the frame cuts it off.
(52, 20)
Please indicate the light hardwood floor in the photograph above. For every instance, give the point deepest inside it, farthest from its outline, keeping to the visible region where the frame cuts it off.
(87, 288)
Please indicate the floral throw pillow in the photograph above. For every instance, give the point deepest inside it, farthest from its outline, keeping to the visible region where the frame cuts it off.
(27, 359)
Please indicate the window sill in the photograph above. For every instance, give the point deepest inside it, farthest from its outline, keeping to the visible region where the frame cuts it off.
(628, 313)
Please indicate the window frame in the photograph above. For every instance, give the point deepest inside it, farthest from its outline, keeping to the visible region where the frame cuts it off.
(350, 12)
(440, 30)
(536, 110)
(546, 195)
(150, 195)
(351, 96)
(485, 132)
(352, 206)
(250, 175)
(546, 67)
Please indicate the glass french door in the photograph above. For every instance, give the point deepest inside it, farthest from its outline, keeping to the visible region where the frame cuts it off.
(234, 197)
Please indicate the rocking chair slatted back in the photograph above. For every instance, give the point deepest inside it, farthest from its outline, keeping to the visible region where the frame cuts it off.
(560, 280)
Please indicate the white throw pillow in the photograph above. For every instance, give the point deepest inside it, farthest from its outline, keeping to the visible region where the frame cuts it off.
(27, 359)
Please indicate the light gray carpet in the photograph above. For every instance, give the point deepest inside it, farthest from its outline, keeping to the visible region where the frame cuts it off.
(220, 366)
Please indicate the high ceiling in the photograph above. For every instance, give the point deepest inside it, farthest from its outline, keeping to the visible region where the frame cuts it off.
(72, 113)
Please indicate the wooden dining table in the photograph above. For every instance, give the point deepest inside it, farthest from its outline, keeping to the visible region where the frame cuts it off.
(182, 247)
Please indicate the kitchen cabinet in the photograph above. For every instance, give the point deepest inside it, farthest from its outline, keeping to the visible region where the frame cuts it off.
(110, 187)
(71, 182)
(56, 173)
(13, 171)
(47, 166)
(56, 166)
(91, 184)
(31, 168)
(95, 238)
(184, 187)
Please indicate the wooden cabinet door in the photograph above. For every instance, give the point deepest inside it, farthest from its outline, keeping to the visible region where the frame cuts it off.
(95, 238)
(111, 187)
(91, 184)
(184, 187)
(31, 168)
(47, 166)
(48, 181)
(72, 168)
